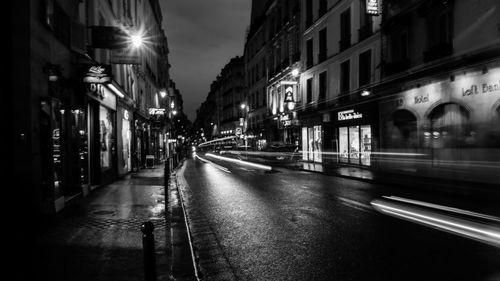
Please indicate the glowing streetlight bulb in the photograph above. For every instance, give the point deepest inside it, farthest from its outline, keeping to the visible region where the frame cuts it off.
(137, 40)
(295, 72)
(242, 106)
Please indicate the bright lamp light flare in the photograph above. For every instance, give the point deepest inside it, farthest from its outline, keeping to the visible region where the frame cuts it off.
(136, 40)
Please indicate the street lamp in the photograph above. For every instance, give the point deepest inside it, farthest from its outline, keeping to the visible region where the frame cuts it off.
(136, 40)
(163, 93)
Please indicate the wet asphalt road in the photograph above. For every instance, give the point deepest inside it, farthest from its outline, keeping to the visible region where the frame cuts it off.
(249, 224)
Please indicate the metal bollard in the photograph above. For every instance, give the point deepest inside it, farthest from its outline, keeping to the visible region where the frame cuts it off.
(148, 245)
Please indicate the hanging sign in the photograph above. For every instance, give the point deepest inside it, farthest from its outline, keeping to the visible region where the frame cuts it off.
(154, 111)
(100, 73)
(373, 7)
(289, 94)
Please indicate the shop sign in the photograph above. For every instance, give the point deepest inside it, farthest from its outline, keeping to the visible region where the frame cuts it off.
(156, 111)
(422, 98)
(126, 115)
(97, 74)
(349, 115)
(238, 131)
(373, 7)
(483, 89)
(97, 90)
(289, 94)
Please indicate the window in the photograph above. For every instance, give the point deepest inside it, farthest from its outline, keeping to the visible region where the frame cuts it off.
(365, 67)
(365, 23)
(322, 86)
(309, 53)
(322, 45)
(309, 13)
(309, 90)
(345, 77)
(322, 7)
(345, 30)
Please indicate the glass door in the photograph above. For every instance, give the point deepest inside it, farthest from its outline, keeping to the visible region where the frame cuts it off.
(354, 145)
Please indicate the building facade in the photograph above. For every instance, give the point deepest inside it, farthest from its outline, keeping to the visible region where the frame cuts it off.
(284, 66)
(341, 44)
(440, 92)
(256, 76)
(85, 91)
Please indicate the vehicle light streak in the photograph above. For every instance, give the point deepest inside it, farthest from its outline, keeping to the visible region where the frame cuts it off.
(445, 208)
(478, 231)
(241, 162)
(224, 169)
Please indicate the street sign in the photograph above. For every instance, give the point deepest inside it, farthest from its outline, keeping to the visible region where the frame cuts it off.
(238, 131)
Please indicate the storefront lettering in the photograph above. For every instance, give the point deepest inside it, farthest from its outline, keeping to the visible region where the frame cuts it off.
(348, 115)
(470, 91)
(485, 88)
(489, 88)
(97, 90)
(422, 99)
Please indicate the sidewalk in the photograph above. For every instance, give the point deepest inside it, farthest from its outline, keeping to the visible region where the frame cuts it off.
(101, 238)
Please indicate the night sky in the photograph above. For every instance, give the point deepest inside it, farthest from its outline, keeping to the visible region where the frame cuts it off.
(202, 36)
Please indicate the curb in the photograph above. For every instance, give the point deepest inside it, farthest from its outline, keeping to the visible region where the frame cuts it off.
(183, 266)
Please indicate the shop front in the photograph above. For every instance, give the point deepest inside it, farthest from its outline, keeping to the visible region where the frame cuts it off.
(312, 139)
(102, 109)
(125, 141)
(355, 130)
(449, 122)
(64, 148)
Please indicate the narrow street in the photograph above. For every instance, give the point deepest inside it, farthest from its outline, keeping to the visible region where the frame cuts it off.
(250, 224)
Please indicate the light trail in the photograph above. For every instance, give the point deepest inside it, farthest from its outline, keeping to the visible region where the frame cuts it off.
(222, 168)
(479, 231)
(241, 162)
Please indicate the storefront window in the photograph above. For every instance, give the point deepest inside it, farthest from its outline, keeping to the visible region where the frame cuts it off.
(310, 143)
(366, 144)
(304, 143)
(58, 133)
(343, 144)
(355, 144)
(79, 127)
(106, 138)
(126, 149)
(318, 143)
